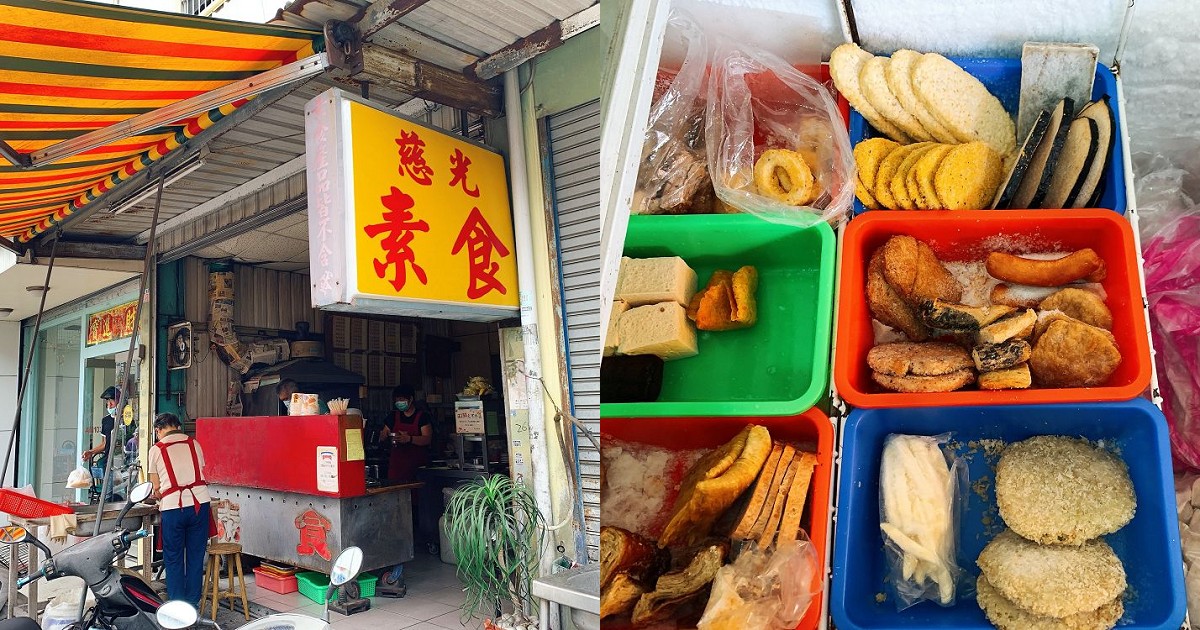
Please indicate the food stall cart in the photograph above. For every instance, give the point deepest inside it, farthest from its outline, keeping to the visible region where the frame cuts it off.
(1078, 199)
(299, 486)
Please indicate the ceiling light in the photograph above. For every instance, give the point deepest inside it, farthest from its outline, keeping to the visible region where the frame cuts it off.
(35, 288)
(5, 312)
(152, 188)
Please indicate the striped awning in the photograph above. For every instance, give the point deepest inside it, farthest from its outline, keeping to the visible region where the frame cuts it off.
(70, 67)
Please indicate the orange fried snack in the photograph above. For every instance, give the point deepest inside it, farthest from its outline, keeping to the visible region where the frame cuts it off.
(727, 302)
(714, 483)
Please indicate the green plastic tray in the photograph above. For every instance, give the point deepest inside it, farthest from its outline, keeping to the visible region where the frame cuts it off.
(778, 367)
(312, 585)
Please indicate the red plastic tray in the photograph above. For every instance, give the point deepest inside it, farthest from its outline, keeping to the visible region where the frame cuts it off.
(25, 506)
(274, 583)
(958, 236)
(810, 427)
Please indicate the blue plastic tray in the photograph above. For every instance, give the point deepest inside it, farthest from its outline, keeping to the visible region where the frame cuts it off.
(1148, 546)
(1003, 78)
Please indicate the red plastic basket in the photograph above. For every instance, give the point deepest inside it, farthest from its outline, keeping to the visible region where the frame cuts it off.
(25, 506)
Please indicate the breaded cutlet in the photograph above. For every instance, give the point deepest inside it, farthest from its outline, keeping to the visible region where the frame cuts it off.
(918, 359)
(1006, 615)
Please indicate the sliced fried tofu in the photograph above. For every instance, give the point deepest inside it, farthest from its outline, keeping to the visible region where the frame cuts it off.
(758, 496)
(1008, 328)
(789, 526)
(768, 508)
(1015, 377)
(771, 527)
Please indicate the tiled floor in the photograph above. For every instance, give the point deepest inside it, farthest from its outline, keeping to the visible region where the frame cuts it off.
(434, 602)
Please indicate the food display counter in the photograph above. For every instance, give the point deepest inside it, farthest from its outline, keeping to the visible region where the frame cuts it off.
(298, 486)
(978, 336)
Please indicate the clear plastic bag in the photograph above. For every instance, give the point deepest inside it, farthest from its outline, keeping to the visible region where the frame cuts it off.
(756, 102)
(673, 177)
(1169, 223)
(920, 499)
(770, 588)
(79, 479)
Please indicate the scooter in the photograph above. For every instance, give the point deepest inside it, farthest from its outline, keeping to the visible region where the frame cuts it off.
(123, 602)
(177, 615)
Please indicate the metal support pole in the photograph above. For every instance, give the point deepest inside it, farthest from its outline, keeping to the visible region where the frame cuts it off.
(127, 378)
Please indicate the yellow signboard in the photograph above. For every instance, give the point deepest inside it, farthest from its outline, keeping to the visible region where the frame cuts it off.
(115, 323)
(404, 217)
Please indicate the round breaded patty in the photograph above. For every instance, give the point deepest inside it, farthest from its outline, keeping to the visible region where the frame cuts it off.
(1006, 615)
(1052, 580)
(925, 384)
(1061, 490)
(918, 359)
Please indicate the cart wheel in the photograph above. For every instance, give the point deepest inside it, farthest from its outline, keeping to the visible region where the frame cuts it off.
(434, 549)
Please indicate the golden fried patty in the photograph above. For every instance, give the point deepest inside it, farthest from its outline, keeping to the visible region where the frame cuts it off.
(1052, 580)
(1061, 490)
(918, 359)
(1006, 615)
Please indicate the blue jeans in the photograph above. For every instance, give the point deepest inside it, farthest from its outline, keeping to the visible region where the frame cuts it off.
(185, 539)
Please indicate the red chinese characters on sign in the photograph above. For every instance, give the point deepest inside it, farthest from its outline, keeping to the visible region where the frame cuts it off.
(399, 223)
(459, 165)
(481, 242)
(314, 531)
(412, 158)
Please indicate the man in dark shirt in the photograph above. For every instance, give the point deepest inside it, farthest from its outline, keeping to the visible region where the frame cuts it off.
(111, 398)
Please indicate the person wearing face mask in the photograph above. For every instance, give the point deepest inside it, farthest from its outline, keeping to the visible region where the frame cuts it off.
(110, 399)
(409, 434)
(285, 389)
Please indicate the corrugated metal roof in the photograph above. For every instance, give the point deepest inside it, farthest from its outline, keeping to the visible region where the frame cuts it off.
(450, 33)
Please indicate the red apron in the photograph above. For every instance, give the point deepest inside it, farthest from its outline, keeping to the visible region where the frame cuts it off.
(406, 458)
(173, 483)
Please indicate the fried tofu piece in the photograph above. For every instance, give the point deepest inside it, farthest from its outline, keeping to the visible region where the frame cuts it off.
(959, 317)
(1084, 306)
(968, 177)
(1020, 325)
(926, 384)
(915, 272)
(1071, 353)
(888, 307)
(705, 496)
(990, 357)
(918, 359)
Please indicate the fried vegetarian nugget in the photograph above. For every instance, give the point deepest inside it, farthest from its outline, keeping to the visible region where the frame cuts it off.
(1058, 490)
(1085, 306)
(926, 384)
(1071, 353)
(1052, 580)
(888, 307)
(1006, 615)
(918, 359)
(915, 272)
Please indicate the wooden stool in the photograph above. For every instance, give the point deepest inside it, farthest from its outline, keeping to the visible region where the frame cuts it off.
(232, 552)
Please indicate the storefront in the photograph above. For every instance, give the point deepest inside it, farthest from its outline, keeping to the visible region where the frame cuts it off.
(81, 351)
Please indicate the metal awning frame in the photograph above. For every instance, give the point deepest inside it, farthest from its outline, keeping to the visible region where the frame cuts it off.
(252, 86)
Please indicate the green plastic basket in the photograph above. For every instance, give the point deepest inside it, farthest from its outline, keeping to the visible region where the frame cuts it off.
(312, 585)
(779, 366)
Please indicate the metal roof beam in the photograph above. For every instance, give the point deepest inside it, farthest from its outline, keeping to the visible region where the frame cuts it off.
(536, 43)
(252, 86)
(14, 157)
(428, 81)
(381, 13)
(83, 249)
(178, 156)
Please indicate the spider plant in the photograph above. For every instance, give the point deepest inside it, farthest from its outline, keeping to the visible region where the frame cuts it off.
(496, 532)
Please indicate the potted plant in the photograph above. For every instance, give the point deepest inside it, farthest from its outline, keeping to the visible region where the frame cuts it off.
(496, 532)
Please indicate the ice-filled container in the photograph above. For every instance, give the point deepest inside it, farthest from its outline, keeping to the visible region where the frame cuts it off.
(811, 430)
(960, 236)
(779, 366)
(1148, 546)
(1002, 77)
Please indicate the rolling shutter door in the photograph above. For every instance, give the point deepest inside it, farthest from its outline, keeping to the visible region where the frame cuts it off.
(575, 153)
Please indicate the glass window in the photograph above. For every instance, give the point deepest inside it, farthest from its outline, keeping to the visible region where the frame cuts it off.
(57, 410)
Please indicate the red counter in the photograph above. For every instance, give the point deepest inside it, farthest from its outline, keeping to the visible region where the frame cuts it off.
(281, 452)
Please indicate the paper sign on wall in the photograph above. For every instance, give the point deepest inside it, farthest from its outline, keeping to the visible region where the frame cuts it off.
(327, 469)
(354, 445)
(468, 416)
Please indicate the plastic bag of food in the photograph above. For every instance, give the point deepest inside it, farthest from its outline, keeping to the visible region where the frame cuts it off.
(919, 506)
(777, 144)
(769, 588)
(673, 176)
(79, 478)
(1169, 223)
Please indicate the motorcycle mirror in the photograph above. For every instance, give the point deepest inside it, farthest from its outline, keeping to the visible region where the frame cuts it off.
(12, 535)
(176, 615)
(346, 567)
(141, 492)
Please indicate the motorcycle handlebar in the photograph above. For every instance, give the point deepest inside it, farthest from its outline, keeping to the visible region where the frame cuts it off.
(130, 538)
(32, 577)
